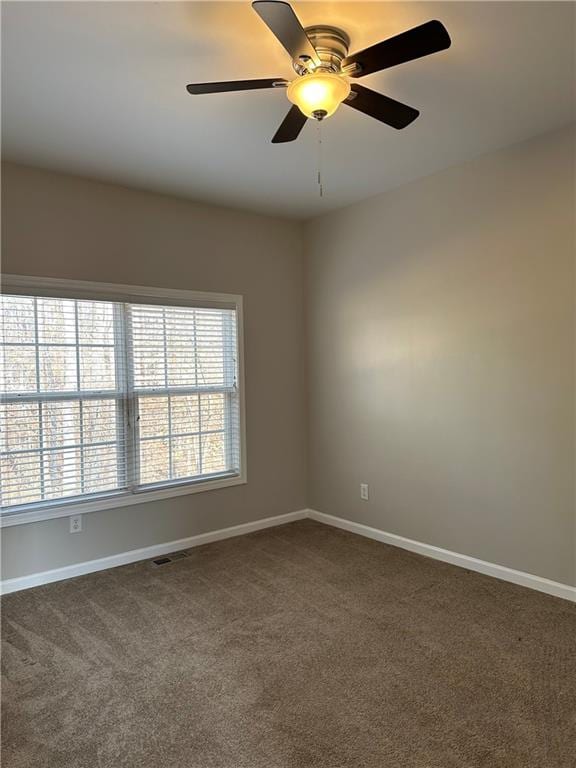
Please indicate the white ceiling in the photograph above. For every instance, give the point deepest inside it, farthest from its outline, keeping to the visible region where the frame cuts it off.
(98, 89)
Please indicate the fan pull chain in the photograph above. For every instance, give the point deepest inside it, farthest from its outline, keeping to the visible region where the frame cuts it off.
(319, 129)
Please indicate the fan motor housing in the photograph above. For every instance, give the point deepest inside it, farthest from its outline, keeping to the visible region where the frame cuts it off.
(331, 44)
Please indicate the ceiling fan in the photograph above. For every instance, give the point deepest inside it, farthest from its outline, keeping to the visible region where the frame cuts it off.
(323, 66)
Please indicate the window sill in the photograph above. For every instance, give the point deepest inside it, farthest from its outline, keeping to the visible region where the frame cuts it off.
(115, 501)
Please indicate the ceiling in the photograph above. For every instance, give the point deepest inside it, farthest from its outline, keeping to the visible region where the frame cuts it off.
(98, 89)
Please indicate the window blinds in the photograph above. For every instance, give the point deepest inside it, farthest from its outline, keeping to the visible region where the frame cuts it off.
(185, 391)
(103, 397)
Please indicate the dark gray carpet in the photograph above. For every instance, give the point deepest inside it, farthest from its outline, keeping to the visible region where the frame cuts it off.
(298, 646)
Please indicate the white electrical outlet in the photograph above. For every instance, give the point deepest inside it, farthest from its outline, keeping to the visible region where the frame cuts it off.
(364, 491)
(75, 524)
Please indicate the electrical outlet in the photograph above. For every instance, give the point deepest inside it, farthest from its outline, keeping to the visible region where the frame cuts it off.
(75, 524)
(364, 491)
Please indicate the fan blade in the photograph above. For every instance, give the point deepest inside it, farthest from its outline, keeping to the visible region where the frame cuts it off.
(290, 127)
(413, 44)
(235, 85)
(381, 107)
(283, 23)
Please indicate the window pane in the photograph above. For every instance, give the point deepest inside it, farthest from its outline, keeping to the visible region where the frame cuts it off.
(56, 321)
(212, 412)
(97, 368)
(17, 319)
(210, 367)
(154, 461)
(100, 469)
(149, 368)
(48, 443)
(21, 479)
(147, 328)
(153, 416)
(193, 347)
(95, 322)
(185, 457)
(180, 346)
(185, 414)
(99, 418)
(18, 369)
(61, 423)
(58, 369)
(19, 426)
(213, 453)
(181, 367)
(210, 347)
(62, 473)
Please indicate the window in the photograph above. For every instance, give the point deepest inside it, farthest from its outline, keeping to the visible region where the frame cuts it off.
(113, 400)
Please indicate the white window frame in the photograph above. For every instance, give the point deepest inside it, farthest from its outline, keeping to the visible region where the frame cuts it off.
(81, 289)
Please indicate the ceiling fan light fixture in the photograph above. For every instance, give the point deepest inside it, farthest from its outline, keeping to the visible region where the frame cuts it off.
(320, 57)
(318, 94)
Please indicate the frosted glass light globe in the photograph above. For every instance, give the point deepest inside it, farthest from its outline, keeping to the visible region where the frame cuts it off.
(318, 94)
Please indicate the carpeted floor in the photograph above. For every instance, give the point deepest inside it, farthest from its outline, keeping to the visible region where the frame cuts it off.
(296, 647)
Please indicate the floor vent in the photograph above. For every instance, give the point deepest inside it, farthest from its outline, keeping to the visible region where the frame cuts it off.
(169, 558)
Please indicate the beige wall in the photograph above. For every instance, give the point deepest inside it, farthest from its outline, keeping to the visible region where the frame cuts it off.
(441, 356)
(441, 352)
(59, 226)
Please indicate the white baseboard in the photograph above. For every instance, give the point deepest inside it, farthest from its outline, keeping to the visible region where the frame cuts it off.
(157, 550)
(146, 553)
(464, 561)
